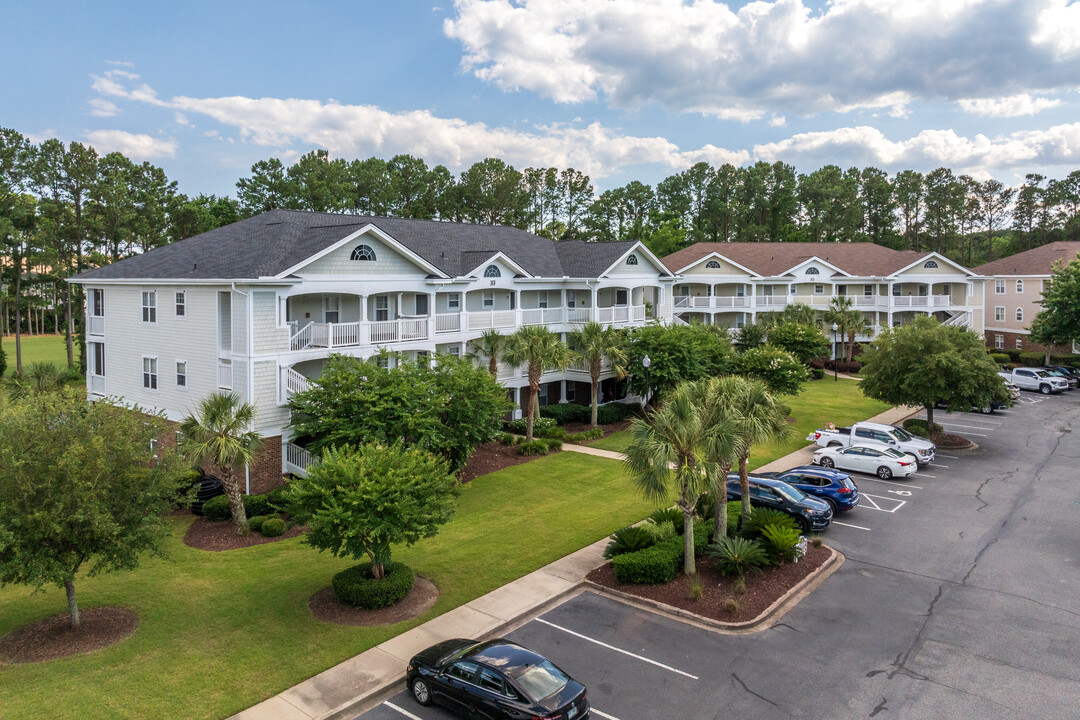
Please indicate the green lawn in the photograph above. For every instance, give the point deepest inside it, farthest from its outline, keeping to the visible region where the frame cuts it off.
(821, 401)
(37, 348)
(219, 632)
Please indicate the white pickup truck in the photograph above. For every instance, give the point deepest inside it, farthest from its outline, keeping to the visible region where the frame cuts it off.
(1039, 379)
(867, 433)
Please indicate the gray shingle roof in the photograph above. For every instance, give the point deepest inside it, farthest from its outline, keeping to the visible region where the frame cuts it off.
(269, 244)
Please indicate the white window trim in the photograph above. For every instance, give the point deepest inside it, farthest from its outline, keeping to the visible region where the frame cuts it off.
(94, 293)
(453, 301)
(542, 299)
(999, 287)
(1019, 314)
(91, 358)
(999, 342)
(487, 300)
(148, 298)
(819, 289)
(1019, 287)
(1019, 343)
(999, 313)
(155, 373)
(177, 374)
(180, 301)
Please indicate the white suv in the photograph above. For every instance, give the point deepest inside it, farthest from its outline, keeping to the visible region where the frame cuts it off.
(1038, 379)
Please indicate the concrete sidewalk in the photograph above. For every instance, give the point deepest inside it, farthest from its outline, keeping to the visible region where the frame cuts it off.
(346, 689)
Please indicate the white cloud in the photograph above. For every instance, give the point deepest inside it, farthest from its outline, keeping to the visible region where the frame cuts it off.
(135, 146)
(100, 107)
(770, 56)
(1012, 106)
(181, 119)
(120, 63)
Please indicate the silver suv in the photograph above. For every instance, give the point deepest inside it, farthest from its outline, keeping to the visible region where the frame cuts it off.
(1039, 379)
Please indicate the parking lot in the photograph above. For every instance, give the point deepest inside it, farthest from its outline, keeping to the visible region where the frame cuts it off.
(958, 599)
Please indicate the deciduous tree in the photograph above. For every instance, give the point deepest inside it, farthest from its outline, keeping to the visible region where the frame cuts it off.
(1058, 323)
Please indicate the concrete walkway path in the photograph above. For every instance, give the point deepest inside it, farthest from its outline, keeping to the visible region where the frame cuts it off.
(346, 689)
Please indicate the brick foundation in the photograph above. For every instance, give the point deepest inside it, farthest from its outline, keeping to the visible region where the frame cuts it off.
(1009, 343)
(265, 471)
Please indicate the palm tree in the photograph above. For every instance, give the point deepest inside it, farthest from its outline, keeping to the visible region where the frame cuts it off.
(219, 433)
(592, 344)
(541, 350)
(489, 345)
(721, 399)
(848, 320)
(672, 451)
(760, 418)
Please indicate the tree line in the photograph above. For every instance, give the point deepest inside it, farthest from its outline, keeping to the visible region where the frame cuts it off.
(64, 208)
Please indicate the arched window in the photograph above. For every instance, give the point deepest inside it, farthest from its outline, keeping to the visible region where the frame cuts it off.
(712, 265)
(492, 271)
(930, 265)
(1020, 287)
(1019, 314)
(631, 259)
(364, 253)
(812, 271)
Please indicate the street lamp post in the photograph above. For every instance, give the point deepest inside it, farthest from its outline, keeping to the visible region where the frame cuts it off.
(645, 363)
(835, 327)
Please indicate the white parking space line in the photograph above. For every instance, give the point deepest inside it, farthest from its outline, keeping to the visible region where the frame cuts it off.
(874, 505)
(857, 527)
(894, 483)
(939, 465)
(950, 457)
(968, 427)
(618, 650)
(922, 474)
(968, 432)
(597, 713)
(403, 711)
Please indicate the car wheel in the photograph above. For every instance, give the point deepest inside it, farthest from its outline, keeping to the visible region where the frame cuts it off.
(988, 410)
(1045, 389)
(832, 504)
(827, 462)
(884, 473)
(420, 691)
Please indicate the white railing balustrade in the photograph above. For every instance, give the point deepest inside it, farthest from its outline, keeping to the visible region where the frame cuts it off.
(448, 322)
(492, 319)
(578, 316)
(297, 458)
(295, 382)
(682, 301)
(301, 339)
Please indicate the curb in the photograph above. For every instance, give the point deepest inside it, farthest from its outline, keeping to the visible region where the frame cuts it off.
(779, 608)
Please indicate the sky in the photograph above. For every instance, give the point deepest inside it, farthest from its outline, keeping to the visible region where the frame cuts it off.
(619, 89)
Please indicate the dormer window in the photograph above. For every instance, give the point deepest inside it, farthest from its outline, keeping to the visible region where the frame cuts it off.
(363, 253)
(712, 265)
(930, 265)
(812, 271)
(492, 271)
(631, 259)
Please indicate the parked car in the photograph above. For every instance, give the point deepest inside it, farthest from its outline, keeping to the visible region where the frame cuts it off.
(811, 514)
(877, 435)
(1063, 372)
(834, 487)
(886, 463)
(497, 679)
(985, 410)
(1013, 387)
(1031, 378)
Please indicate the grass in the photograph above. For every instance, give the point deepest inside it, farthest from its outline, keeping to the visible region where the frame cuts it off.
(821, 401)
(219, 632)
(36, 349)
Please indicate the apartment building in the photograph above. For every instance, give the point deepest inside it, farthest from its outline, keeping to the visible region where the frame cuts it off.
(1014, 294)
(257, 308)
(731, 284)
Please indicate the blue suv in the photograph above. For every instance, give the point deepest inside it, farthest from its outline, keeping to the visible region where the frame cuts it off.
(810, 513)
(833, 486)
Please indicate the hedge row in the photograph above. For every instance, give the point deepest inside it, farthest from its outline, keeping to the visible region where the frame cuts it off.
(659, 563)
(217, 508)
(563, 413)
(357, 587)
(1030, 357)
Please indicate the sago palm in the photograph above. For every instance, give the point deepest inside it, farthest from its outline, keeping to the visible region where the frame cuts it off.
(489, 345)
(592, 344)
(760, 418)
(540, 350)
(220, 433)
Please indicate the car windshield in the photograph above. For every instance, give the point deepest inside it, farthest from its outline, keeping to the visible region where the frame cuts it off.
(790, 493)
(1041, 373)
(542, 680)
(902, 435)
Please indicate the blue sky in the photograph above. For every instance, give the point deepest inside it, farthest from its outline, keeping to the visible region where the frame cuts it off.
(621, 89)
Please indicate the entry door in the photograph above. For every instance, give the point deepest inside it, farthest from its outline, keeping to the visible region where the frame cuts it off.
(331, 305)
(422, 305)
(382, 308)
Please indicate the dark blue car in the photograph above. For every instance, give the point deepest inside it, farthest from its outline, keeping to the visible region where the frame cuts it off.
(833, 486)
(811, 514)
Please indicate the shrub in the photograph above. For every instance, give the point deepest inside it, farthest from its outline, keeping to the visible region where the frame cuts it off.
(1014, 355)
(817, 373)
(628, 540)
(611, 413)
(1000, 358)
(737, 556)
(696, 589)
(521, 425)
(671, 516)
(279, 499)
(731, 605)
(782, 542)
(1032, 358)
(659, 563)
(563, 413)
(761, 517)
(272, 527)
(917, 426)
(258, 505)
(357, 587)
(505, 438)
(216, 509)
(536, 447)
(585, 436)
(553, 444)
(3, 362)
(552, 433)
(817, 364)
(255, 524)
(660, 532)
(706, 510)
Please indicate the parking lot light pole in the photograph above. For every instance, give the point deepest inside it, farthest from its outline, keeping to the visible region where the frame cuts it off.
(645, 363)
(834, 329)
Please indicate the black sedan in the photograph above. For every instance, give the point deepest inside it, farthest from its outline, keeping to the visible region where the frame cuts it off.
(497, 680)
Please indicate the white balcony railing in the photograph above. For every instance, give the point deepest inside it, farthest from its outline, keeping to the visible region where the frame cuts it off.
(731, 302)
(492, 319)
(448, 322)
(292, 383)
(297, 459)
(390, 331)
(542, 316)
(96, 326)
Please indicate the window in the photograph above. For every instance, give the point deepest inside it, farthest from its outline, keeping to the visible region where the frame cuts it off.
(181, 373)
(488, 300)
(631, 259)
(999, 313)
(868, 290)
(96, 358)
(841, 290)
(363, 253)
(382, 360)
(571, 391)
(930, 265)
(1019, 287)
(492, 271)
(423, 358)
(812, 271)
(454, 350)
(149, 373)
(181, 304)
(712, 265)
(382, 308)
(542, 396)
(999, 342)
(421, 305)
(97, 302)
(740, 291)
(1019, 344)
(542, 299)
(1019, 314)
(620, 297)
(453, 301)
(491, 681)
(571, 297)
(819, 289)
(149, 306)
(331, 308)
(945, 289)
(999, 287)
(896, 290)
(463, 671)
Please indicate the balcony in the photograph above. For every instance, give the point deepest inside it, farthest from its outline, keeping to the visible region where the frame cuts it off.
(316, 335)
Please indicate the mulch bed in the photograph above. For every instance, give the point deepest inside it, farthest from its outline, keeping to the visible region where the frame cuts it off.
(54, 637)
(218, 536)
(762, 589)
(950, 441)
(326, 607)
